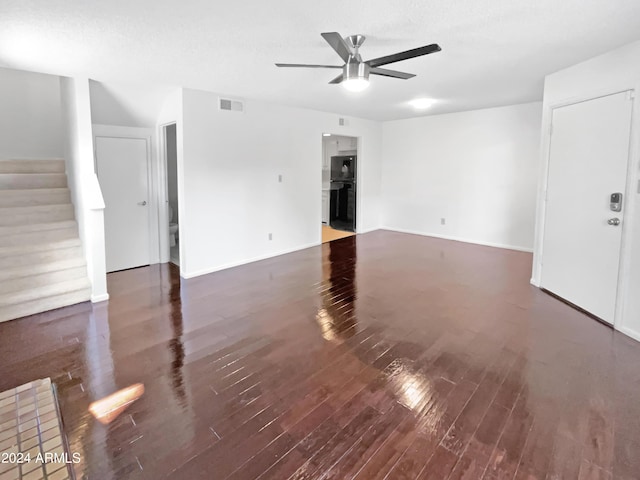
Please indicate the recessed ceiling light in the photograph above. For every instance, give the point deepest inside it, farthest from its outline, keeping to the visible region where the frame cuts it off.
(326, 134)
(422, 103)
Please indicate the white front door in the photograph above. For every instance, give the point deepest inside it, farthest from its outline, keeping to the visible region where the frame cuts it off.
(589, 155)
(122, 172)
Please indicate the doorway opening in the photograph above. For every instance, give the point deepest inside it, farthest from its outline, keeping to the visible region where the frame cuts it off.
(171, 165)
(339, 186)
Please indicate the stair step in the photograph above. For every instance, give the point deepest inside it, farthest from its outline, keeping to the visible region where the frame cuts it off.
(37, 268)
(21, 181)
(37, 227)
(11, 257)
(39, 236)
(32, 166)
(37, 196)
(35, 214)
(18, 285)
(44, 304)
(43, 291)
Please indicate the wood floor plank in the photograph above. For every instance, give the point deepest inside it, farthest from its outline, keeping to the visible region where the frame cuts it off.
(565, 460)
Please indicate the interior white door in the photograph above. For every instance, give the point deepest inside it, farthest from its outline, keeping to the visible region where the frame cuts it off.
(122, 172)
(589, 155)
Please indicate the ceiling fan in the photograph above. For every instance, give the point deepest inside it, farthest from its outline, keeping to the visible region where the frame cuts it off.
(355, 71)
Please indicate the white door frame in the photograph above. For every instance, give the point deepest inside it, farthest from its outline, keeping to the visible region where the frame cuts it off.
(628, 207)
(147, 134)
(163, 195)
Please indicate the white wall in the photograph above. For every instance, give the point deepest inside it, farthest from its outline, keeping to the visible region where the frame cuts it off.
(476, 169)
(127, 105)
(30, 115)
(228, 172)
(83, 183)
(618, 68)
(614, 71)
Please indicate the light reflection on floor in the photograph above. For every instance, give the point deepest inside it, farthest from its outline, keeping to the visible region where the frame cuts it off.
(107, 409)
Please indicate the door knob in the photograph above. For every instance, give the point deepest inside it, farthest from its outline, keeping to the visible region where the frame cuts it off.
(614, 221)
(143, 203)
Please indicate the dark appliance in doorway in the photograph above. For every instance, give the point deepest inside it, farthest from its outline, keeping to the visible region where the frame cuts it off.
(342, 200)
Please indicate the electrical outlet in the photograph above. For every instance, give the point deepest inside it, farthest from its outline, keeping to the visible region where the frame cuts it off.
(271, 236)
(443, 221)
(280, 178)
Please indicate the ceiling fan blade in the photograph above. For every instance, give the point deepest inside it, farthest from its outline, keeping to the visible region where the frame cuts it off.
(302, 65)
(397, 57)
(391, 73)
(338, 44)
(338, 79)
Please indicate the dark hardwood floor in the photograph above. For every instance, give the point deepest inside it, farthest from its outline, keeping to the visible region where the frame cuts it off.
(378, 356)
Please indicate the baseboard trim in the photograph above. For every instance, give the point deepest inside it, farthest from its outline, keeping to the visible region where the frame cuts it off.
(369, 230)
(188, 275)
(459, 239)
(630, 333)
(99, 298)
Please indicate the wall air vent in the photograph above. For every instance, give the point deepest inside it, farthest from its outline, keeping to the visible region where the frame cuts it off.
(231, 105)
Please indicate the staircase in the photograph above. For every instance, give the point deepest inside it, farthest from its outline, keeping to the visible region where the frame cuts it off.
(42, 264)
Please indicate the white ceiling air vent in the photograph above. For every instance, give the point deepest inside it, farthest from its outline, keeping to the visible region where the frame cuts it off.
(231, 105)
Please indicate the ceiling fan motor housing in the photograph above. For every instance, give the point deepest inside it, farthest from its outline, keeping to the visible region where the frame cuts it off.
(355, 69)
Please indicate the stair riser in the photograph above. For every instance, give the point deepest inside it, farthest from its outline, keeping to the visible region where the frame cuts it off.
(32, 166)
(44, 304)
(47, 256)
(33, 238)
(27, 198)
(34, 281)
(31, 215)
(25, 181)
(23, 271)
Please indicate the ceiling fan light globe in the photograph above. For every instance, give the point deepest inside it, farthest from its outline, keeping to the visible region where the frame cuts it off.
(355, 84)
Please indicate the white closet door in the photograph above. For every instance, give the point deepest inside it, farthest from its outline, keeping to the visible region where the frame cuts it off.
(122, 172)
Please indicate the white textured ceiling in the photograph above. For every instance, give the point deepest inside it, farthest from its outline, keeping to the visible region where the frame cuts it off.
(495, 52)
